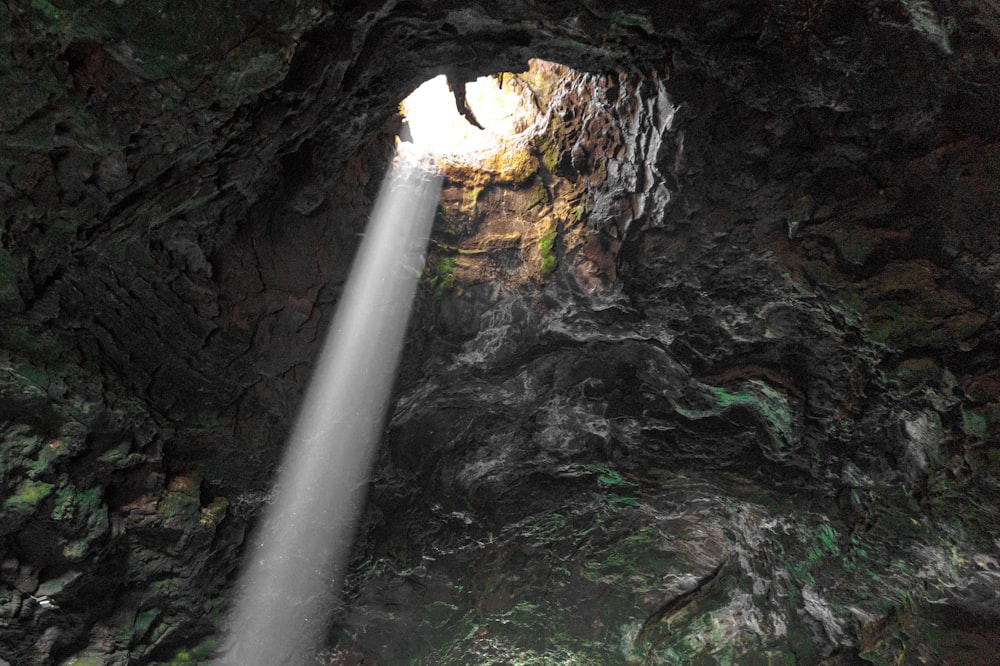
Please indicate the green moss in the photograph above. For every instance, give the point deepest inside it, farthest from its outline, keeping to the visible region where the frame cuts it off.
(75, 551)
(827, 539)
(541, 195)
(540, 531)
(469, 200)
(33, 375)
(766, 401)
(117, 455)
(974, 425)
(143, 622)
(205, 648)
(214, 512)
(48, 455)
(85, 513)
(549, 260)
(525, 615)
(618, 502)
(182, 501)
(825, 543)
(446, 270)
(549, 149)
(174, 506)
(18, 445)
(444, 221)
(440, 274)
(71, 502)
(27, 497)
(40, 380)
(607, 476)
(634, 562)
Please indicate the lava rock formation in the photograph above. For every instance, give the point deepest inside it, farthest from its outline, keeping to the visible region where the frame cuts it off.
(711, 377)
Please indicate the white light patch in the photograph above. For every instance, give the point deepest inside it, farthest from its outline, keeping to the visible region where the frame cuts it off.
(505, 112)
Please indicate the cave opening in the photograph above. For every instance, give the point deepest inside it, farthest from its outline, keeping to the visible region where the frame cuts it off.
(487, 124)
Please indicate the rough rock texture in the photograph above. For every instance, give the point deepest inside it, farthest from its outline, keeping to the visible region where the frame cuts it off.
(716, 382)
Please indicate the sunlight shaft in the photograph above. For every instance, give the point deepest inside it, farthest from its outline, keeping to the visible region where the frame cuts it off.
(296, 561)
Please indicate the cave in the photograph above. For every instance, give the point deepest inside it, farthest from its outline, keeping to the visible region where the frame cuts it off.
(702, 365)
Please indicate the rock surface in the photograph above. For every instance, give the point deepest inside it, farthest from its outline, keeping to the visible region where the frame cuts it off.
(714, 381)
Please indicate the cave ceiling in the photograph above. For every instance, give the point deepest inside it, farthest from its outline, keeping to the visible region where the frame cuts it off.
(707, 374)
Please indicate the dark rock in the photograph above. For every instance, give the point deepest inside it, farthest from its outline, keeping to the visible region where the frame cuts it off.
(708, 375)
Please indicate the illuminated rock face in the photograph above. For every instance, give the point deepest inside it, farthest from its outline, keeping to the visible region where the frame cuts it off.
(712, 380)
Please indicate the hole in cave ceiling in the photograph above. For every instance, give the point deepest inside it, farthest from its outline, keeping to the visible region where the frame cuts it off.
(505, 106)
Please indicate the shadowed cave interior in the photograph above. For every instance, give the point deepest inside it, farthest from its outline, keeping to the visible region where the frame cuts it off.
(702, 366)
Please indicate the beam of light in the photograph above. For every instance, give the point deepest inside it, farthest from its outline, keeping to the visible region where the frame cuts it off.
(297, 560)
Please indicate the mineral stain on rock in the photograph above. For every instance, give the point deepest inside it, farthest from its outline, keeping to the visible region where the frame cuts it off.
(707, 374)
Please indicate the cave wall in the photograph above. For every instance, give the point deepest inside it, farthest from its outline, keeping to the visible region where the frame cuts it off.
(775, 273)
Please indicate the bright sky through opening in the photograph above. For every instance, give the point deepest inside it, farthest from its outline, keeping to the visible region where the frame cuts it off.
(505, 112)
